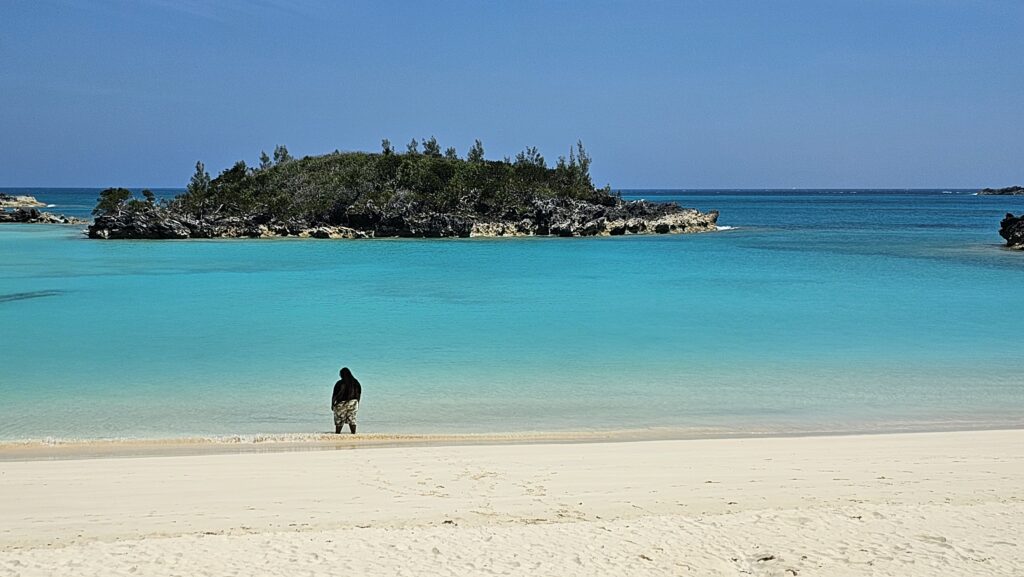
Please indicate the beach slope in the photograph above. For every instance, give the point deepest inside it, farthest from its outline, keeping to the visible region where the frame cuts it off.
(902, 504)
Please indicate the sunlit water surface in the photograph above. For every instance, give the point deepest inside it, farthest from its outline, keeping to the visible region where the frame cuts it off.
(820, 311)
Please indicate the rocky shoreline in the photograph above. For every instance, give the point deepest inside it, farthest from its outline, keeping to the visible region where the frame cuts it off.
(9, 201)
(34, 216)
(403, 218)
(1012, 229)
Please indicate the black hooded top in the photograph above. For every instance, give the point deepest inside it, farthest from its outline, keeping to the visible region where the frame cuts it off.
(346, 389)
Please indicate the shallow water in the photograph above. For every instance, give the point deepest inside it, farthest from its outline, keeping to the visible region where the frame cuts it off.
(821, 311)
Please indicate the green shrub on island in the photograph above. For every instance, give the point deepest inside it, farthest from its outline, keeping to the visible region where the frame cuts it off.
(323, 189)
(116, 200)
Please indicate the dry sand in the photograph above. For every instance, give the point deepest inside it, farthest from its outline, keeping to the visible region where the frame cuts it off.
(903, 505)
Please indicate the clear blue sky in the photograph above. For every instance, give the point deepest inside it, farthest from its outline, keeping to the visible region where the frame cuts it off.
(687, 94)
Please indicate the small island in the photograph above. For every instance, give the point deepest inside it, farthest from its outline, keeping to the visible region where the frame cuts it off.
(421, 192)
(12, 201)
(1008, 191)
(25, 211)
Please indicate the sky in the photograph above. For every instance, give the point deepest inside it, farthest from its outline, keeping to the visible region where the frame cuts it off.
(684, 94)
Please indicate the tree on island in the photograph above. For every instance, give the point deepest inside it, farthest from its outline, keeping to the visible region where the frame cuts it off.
(200, 183)
(111, 200)
(531, 157)
(281, 154)
(476, 152)
(336, 188)
(118, 200)
(432, 148)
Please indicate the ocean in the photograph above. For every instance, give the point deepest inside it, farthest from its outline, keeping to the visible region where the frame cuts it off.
(814, 311)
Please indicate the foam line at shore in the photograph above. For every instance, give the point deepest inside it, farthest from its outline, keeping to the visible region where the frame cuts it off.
(59, 448)
(65, 448)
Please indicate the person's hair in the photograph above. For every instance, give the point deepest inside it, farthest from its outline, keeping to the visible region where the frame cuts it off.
(346, 375)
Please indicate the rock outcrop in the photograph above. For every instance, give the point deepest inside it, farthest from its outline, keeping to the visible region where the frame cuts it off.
(1012, 229)
(158, 222)
(34, 216)
(1008, 191)
(567, 217)
(9, 201)
(403, 217)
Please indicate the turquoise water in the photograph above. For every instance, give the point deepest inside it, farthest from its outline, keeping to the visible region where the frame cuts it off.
(821, 311)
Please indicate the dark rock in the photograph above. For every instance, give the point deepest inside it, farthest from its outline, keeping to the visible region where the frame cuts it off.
(153, 223)
(405, 216)
(592, 228)
(19, 215)
(1012, 229)
(34, 216)
(255, 231)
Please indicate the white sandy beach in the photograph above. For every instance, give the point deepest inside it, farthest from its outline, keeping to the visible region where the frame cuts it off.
(902, 504)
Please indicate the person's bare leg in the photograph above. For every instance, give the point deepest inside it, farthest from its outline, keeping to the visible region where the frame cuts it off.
(352, 428)
(337, 429)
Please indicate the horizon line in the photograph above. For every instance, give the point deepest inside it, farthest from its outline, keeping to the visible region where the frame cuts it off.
(622, 188)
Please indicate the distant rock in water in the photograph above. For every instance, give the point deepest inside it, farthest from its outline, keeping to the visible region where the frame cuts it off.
(1012, 229)
(418, 193)
(9, 201)
(1008, 191)
(33, 216)
(402, 218)
(25, 211)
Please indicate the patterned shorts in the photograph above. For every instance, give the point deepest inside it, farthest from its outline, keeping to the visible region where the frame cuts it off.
(345, 413)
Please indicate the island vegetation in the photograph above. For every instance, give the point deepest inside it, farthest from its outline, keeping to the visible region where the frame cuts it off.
(420, 191)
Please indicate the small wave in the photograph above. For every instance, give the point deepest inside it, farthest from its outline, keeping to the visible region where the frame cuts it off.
(726, 227)
(51, 206)
(329, 438)
(11, 297)
(255, 438)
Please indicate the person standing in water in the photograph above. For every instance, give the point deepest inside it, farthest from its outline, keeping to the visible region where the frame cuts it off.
(345, 401)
